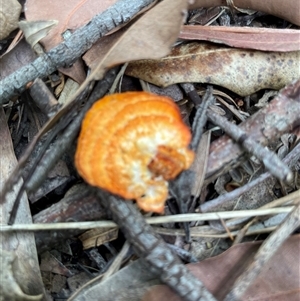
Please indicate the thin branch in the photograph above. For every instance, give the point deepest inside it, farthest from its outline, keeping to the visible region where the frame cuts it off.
(280, 116)
(271, 161)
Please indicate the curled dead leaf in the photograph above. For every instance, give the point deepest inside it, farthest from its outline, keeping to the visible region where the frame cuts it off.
(9, 16)
(241, 71)
(9, 288)
(36, 30)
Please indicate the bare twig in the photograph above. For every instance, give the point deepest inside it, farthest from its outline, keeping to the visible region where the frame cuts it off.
(286, 199)
(280, 116)
(154, 250)
(275, 166)
(115, 266)
(43, 98)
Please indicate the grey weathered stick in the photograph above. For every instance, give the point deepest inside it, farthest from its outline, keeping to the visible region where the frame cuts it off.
(265, 252)
(269, 158)
(280, 116)
(73, 47)
(153, 249)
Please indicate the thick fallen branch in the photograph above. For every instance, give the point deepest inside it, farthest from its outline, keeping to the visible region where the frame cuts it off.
(280, 116)
(73, 47)
(149, 246)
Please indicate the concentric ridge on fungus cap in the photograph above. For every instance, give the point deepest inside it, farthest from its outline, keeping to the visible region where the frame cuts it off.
(131, 144)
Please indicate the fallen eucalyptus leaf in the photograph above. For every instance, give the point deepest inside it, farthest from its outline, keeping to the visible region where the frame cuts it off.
(9, 16)
(266, 39)
(9, 288)
(70, 15)
(20, 277)
(241, 71)
(34, 31)
(145, 38)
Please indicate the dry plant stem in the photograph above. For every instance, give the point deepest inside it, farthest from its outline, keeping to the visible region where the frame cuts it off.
(73, 47)
(195, 233)
(280, 116)
(201, 117)
(265, 252)
(18, 171)
(177, 218)
(290, 160)
(149, 246)
(276, 167)
(21, 245)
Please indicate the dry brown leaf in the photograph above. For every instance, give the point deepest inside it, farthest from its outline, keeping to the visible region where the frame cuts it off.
(9, 287)
(128, 284)
(288, 9)
(70, 15)
(241, 71)
(9, 16)
(101, 48)
(266, 39)
(144, 39)
(279, 279)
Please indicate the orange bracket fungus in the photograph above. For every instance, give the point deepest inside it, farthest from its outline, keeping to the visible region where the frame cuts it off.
(131, 144)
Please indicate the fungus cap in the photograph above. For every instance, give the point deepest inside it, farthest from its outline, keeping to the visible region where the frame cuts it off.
(131, 144)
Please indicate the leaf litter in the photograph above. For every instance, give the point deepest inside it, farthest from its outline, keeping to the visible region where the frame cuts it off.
(245, 83)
